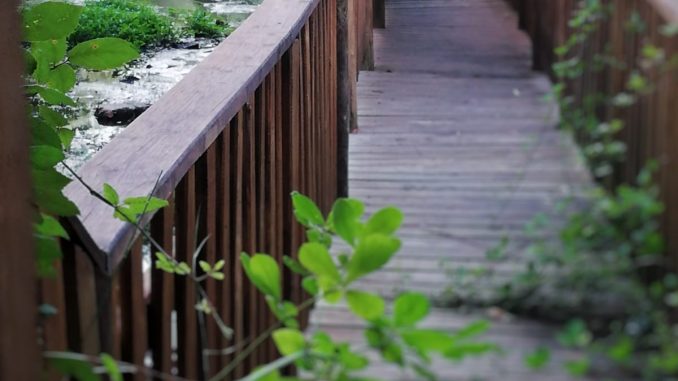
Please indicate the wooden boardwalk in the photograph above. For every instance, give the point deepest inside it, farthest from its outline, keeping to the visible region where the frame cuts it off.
(455, 130)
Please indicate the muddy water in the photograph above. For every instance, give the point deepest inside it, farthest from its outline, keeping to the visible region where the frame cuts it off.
(142, 83)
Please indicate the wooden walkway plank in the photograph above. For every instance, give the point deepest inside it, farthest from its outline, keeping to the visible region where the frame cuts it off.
(454, 129)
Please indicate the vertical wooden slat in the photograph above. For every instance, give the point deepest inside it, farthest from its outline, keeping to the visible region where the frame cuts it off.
(81, 301)
(344, 92)
(224, 239)
(379, 13)
(134, 341)
(240, 287)
(206, 187)
(188, 352)
(162, 293)
(250, 221)
(54, 326)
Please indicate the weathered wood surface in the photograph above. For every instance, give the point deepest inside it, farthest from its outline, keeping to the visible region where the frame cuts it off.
(454, 129)
(19, 357)
(183, 124)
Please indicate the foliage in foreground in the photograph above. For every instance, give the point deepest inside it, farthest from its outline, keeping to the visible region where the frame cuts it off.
(604, 277)
(366, 246)
(143, 25)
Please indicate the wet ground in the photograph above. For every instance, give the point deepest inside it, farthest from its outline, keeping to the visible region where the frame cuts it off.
(143, 82)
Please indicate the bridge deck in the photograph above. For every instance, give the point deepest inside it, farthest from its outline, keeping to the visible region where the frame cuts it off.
(454, 129)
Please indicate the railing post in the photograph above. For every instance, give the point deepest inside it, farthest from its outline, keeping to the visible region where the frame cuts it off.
(19, 358)
(379, 14)
(344, 81)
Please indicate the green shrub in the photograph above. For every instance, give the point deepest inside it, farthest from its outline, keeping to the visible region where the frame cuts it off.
(201, 23)
(131, 20)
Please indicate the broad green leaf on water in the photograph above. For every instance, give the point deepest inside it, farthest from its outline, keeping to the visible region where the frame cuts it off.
(50, 20)
(622, 350)
(110, 194)
(409, 308)
(385, 221)
(538, 358)
(61, 78)
(428, 340)
(575, 334)
(112, 368)
(265, 269)
(473, 329)
(373, 252)
(316, 258)
(51, 96)
(345, 220)
(365, 305)
(49, 52)
(289, 341)
(306, 211)
(47, 251)
(45, 157)
(102, 53)
(53, 118)
(50, 227)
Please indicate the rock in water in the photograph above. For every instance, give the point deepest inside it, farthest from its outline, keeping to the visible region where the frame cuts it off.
(119, 113)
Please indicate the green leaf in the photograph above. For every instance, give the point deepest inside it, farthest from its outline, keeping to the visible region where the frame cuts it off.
(306, 211)
(316, 258)
(578, 368)
(47, 251)
(53, 118)
(111, 366)
(51, 96)
(110, 194)
(289, 341)
(205, 266)
(47, 185)
(294, 265)
(386, 221)
(49, 52)
(365, 305)
(50, 227)
(373, 252)
(345, 220)
(145, 204)
(426, 340)
(102, 53)
(61, 78)
(45, 157)
(44, 134)
(409, 308)
(459, 351)
(350, 360)
(50, 21)
(538, 358)
(263, 271)
(310, 284)
(473, 329)
(80, 370)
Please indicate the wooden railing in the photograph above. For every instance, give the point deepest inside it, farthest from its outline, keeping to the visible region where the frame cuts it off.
(258, 119)
(651, 125)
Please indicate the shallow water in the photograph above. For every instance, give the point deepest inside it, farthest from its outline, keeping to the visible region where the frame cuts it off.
(145, 81)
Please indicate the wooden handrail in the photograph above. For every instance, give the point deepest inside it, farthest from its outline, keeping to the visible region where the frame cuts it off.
(166, 140)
